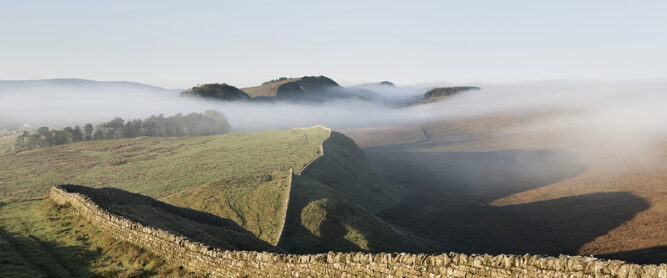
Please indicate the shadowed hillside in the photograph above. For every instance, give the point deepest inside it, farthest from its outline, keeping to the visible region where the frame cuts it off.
(483, 185)
(344, 168)
(194, 225)
(320, 219)
(330, 206)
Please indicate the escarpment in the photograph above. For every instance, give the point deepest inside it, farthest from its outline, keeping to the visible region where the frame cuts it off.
(326, 201)
(101, 208)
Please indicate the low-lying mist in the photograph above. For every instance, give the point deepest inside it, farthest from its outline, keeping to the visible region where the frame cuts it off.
(630, 114)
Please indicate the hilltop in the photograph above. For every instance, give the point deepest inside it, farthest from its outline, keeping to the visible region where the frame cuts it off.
(301, 89)
(216, 91)
(280, 185)
(293, 87)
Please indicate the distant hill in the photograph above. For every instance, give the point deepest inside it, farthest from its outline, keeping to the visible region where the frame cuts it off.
(74, 84)
(447, 91)
(216, 91)
(307, 86)
(304, 190)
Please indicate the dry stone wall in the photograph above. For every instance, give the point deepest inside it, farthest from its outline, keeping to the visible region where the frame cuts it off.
(217, 263)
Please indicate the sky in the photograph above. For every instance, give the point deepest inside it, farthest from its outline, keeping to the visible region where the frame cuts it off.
(179, 44)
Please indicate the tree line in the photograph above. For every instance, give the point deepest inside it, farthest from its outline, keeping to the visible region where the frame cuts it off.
(194, 124)
(275, 80)
(448, 91)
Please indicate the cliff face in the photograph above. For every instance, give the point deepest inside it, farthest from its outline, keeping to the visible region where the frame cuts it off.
(207, 260)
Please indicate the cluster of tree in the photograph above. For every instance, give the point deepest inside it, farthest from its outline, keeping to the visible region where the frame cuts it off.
(275, 80)
(194, 124)
(217, 91)
(447, 91)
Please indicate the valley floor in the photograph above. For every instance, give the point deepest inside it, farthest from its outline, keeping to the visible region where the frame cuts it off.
(486, 186)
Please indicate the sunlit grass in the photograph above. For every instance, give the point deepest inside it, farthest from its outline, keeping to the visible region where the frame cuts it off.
(41, 239)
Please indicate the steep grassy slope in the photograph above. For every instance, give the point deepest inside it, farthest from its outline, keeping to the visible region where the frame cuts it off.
(339, 190)
(321, 219)
(195, 225)
(248, 168)
(41, 239)
(257, 203)
(245, 177)
(344, 168)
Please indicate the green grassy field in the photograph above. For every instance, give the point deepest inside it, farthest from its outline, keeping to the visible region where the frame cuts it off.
(41, 239)
(157, 167)
(247, 170)
(244, 177)
(345, 169)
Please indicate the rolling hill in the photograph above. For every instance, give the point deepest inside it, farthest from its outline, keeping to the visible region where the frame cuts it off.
(216, 91)
(292, 87)
(302, 89)
(256, 179)
(73, 85)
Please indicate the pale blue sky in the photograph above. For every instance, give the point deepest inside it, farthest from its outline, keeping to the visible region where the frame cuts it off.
(178, 44)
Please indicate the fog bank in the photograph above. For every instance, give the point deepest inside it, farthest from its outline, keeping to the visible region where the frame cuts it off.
(632, 113)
